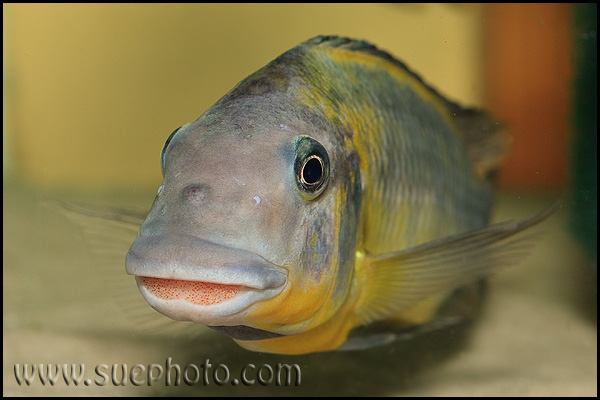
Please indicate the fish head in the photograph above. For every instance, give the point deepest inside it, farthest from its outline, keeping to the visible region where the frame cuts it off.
(255, 222)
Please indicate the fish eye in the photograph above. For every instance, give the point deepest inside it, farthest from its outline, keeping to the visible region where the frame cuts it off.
(311, 167)
(164, 151)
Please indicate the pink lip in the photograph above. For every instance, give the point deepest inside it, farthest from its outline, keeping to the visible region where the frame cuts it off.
(196, 292)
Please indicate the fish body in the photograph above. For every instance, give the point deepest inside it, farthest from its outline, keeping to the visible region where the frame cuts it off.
(330, 190)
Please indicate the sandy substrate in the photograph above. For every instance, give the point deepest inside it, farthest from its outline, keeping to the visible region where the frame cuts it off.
(64, 304)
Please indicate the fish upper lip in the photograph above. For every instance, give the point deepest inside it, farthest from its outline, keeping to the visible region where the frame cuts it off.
(188, 257)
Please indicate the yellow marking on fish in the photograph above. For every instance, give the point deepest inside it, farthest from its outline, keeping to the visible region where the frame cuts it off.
(371, 61)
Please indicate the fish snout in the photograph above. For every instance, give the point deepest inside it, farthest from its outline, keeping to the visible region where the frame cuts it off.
(188, 278)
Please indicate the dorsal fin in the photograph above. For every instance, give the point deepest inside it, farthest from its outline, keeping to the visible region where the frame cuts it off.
(485, 139)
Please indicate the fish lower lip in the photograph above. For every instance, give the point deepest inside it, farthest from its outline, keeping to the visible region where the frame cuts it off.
(195, 292)
(189, 258)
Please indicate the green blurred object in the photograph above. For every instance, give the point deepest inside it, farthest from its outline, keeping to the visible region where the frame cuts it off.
(584, 186)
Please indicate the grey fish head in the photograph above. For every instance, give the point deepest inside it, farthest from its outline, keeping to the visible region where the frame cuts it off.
(258, 207)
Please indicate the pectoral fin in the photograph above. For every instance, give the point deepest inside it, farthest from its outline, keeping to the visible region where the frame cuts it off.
(84, 213)
(109, 232)
(397, 283)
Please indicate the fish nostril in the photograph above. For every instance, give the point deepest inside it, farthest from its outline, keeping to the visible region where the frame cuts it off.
(195, 193)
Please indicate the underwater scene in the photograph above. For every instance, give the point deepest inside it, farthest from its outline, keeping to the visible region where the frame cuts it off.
(300, 200)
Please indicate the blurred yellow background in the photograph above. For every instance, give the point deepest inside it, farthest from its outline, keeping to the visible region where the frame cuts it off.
(92, 91)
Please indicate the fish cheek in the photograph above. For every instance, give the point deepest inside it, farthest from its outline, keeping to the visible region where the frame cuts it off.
(330, 241)
(318, 249)
(321, 279)
(306, 236)
(311, 276)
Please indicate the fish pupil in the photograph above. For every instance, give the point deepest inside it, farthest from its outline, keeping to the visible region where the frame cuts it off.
(312, 170)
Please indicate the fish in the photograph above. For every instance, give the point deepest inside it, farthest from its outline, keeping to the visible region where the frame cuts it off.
(330, 192)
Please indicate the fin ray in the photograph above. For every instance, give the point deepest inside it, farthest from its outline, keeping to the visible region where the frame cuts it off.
(109, 231)
(398, 281)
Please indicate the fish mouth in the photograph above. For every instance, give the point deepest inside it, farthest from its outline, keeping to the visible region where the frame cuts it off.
(188, 278)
